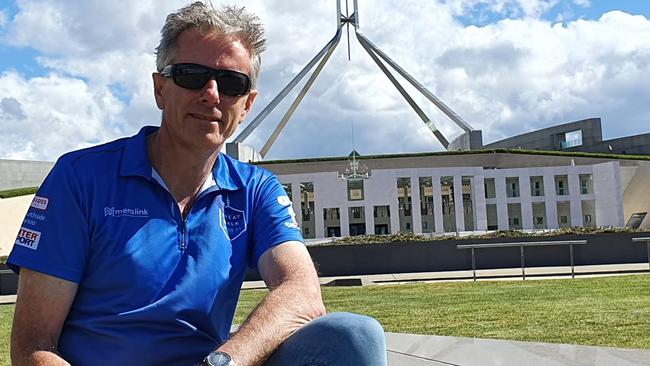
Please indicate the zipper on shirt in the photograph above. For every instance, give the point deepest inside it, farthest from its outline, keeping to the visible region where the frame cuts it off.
(183, 241)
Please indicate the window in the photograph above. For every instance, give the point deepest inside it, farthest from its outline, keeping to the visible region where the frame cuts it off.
(636, 220)
(356, 212)
(306, 230)
(537, 186)
(585, 184)
(563, 219)
(515, 221)
(572, 139)
(490, 190)
(355, 190)
(561, 186)
(539, 220)
(512, 187)
(408, 226)
(587, 218)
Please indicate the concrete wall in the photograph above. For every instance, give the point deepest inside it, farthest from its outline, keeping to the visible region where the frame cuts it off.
(407, 257)
(472, 140)
(21, 173)
(550, 138)
(630, 145)
(12, 212)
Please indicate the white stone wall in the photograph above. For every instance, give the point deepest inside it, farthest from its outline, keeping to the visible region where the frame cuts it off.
(608, 194)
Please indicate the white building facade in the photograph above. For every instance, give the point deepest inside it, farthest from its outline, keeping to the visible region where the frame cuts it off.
(428, 199)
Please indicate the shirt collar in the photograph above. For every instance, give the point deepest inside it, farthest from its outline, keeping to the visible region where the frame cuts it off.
(135, 158)
(135, 161)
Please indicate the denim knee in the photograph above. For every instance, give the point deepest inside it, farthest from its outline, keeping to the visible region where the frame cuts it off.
(353, 328)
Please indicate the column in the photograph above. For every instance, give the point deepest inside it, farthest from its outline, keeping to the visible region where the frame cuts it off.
(296, 201)
(575, 202)
(416, 214)
(458, 206)
(437, 203)
(526, 203)
(345, 221)
(502, 202)
(550, 199)
(478, 201)
(370, 219)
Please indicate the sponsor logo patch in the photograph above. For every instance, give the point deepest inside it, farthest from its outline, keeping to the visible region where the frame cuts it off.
(125, 212)
(40, 202)
(28, 238)
(284, 201)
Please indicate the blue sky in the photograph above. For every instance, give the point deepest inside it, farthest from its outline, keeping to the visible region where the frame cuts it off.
(76, 73)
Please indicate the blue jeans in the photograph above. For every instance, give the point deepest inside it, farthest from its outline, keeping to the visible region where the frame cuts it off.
(336, 339)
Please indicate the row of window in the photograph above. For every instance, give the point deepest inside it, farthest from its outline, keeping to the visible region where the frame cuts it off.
(537, 186)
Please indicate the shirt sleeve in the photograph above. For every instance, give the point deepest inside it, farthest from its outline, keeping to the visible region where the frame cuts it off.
(274, 220)
(53, 238)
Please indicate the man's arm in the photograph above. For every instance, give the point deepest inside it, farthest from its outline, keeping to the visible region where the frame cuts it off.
(294, 299)
(41, 308)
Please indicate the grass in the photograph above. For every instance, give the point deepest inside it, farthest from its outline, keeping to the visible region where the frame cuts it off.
(606, 311)
(6, 318)
(612, 311)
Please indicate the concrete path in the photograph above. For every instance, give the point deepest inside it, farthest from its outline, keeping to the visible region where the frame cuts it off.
(423, 350)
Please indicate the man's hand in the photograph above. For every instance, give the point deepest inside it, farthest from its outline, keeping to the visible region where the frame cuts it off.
(41, 308)
(294, 299)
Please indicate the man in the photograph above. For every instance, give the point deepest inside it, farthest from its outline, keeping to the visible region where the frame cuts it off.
(133, 252)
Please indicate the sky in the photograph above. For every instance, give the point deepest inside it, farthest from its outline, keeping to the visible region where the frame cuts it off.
(78, 73)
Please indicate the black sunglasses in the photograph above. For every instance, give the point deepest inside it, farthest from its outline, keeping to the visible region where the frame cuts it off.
(195, 76)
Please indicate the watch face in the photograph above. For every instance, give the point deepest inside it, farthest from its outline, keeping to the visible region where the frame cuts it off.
(219, 359)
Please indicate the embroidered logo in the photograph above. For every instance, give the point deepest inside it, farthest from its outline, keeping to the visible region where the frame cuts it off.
(28, 238)
(125, 212)
(234, 220)
(40, 202)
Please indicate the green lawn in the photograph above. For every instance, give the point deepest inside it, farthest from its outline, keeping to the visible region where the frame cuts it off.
(609, 311)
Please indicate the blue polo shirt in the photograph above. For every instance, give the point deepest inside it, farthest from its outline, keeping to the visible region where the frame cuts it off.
(154, 289)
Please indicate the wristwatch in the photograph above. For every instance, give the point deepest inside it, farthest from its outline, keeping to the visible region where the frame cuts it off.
(218, 358)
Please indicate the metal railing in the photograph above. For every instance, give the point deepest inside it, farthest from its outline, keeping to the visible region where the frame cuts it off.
(647, 242)
(521, 246)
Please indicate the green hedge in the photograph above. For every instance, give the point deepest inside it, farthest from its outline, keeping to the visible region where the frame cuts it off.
(18, 192)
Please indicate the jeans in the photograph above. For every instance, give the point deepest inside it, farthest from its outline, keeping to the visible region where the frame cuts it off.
(336, 339)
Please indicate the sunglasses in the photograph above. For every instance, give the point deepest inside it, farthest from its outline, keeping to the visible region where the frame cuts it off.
(195, 76)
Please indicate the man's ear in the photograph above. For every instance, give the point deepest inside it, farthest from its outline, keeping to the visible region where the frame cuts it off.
(250, 98)
(158, 85)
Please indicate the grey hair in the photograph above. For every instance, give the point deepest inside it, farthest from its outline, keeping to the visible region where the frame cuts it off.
(228, 20)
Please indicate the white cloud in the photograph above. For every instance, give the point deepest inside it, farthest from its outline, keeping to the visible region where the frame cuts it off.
(583, 3)
(507, 77)
(4, 18)
(45, 116)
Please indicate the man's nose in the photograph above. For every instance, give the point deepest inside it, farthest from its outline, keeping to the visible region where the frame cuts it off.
(210, 93)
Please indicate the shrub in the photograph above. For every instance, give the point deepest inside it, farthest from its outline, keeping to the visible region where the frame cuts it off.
(406, 237)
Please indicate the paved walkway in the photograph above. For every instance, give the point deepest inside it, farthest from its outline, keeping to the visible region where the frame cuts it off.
(423, 350)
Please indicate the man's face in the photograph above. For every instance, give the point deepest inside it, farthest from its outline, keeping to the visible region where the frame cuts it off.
(203, 118)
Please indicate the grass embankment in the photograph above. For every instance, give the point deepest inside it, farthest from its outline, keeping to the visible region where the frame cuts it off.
(609, 311)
